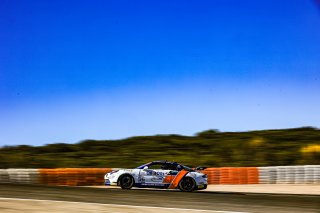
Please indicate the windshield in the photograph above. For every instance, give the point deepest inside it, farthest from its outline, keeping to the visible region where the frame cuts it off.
(171, 166)
(142, 166)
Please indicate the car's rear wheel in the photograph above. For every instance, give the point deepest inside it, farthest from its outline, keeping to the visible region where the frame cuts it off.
(187, 184)
(126, 182)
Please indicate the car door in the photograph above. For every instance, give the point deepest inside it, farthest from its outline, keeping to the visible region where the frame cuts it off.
(153, 176)
(157, 177)
(146, 176)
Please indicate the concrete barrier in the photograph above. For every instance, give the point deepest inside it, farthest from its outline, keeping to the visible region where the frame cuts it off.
(73, 176)
(307, 174)
(28, 176)
(299, 175)
(4, 176)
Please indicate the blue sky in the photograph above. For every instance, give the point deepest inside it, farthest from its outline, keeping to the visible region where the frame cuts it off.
(75, 70)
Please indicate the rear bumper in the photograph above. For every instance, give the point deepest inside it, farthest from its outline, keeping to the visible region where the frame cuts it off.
(201, 187)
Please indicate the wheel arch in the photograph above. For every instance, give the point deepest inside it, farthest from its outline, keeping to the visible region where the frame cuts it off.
(119, 178)
(194, 181)
(188, 176)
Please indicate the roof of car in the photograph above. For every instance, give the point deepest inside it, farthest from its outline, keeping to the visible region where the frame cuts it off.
(158, 162)
(163, 161)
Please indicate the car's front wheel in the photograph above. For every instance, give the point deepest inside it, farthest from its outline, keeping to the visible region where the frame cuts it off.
(187, 184)
(126, 182)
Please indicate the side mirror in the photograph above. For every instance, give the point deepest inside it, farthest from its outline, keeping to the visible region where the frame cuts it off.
(145, 168)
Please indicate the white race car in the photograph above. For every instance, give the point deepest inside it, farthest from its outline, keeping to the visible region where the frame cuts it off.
(159, 174)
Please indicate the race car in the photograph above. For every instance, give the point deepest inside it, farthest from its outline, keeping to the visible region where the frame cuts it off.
(159, 174)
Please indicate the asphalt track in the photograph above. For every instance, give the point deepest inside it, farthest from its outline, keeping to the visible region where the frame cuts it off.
(233, 202)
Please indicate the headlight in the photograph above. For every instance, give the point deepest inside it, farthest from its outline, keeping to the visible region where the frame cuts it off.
(204, 176)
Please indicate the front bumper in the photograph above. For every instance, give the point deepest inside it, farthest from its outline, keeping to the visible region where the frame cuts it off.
(107, 182)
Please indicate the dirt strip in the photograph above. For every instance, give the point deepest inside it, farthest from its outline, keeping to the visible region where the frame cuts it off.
(290, 189)
(161, 199)
(14, 205)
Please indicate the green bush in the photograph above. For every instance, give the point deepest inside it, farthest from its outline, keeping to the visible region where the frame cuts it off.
(208, 148)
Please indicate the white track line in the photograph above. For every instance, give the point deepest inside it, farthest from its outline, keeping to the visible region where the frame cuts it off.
(119, 205)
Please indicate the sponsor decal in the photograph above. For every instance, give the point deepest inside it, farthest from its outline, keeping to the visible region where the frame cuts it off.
(151, 184)
(156, 179)
(168, 179)
(177, 179)
(154, 173)
(160, 174)
(141, 180)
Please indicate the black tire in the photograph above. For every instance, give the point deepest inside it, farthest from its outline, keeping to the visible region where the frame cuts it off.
(187, 184)
(126, 181)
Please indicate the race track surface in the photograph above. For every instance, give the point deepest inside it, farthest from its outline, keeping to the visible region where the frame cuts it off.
(232, 202)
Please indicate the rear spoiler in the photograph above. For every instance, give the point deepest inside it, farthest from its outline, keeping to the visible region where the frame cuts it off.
(201, 168)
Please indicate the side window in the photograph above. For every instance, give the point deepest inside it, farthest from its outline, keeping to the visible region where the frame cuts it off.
(172, 167)
(155, 166)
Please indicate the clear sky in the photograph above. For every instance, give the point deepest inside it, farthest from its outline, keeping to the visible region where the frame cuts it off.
(75, 70)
